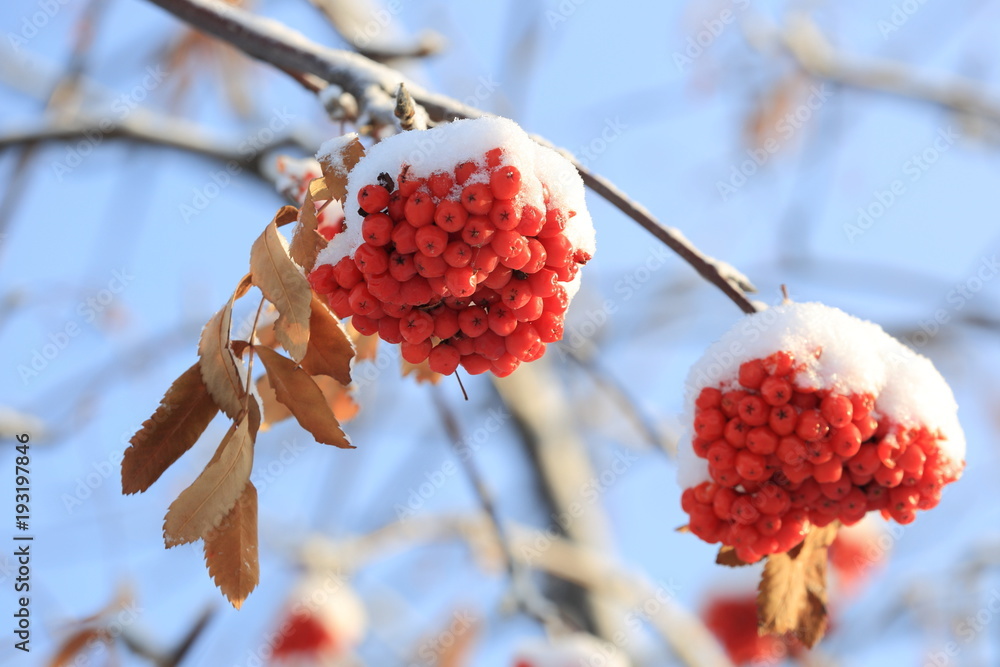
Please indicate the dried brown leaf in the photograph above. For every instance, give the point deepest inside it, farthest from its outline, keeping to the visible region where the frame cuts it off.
(231, 549)
(265, 335)
(339, 397)
(330, 350)
(297, 390)
(183, 415)
(282, 283)
(337, 167)
(792, 593)
(77, 643)
(274, 410)
(727, 556)
(218, 364)
(307, 241)
(201, 506)
(421, 372)
(285, 215)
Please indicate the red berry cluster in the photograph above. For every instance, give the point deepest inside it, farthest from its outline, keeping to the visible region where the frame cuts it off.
(782, 456)
(302, 634)
(456, 268)
(733, 621)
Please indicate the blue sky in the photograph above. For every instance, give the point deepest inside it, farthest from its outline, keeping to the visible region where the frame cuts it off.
(104, 251)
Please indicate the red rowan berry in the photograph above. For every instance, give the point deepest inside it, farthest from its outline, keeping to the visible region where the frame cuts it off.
(775, 390)
(549, 326)
(444, 359)
(373, 198)
(812, 427)
(504, 215)
(473, 321)
(866, 461)
(490, 345)
(753, 410)
(762, 440)
(419, 209)
(780, 363)
(347, 273)
(371, 259)
(323, 280)
(415, 353)
(768, 525)
(744, 512)
(430, 267)
(709, 397)
(531, 221)
(478, 231)
(475, 364)
(837, 410)
(505, 365)
(846, 441)
(440, 184)
(445, 323)
(829, 471)
(505, 182)
(709, 424)
(735, 433)
(721, 454)
(752, 374)
(388, 330)
(364, 325)
(464, 171)
(751, 466)
(477, 198)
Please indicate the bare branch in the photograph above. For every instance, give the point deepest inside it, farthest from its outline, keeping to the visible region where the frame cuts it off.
(374, 85)
(817, 57)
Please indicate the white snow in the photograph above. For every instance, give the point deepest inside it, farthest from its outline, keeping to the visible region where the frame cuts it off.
(856, 356)
(441, 149)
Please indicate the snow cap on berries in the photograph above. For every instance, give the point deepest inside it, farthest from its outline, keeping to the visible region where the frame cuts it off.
(803, 415)
(576, 650)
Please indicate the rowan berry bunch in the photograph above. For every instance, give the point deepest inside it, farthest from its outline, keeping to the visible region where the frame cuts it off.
(733, 621)
(468, 265)
(785, 448)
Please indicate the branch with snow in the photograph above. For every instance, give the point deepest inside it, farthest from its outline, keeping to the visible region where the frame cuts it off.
(374, 86)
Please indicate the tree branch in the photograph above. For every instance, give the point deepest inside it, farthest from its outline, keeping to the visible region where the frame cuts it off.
(816, 56)
(374, 86)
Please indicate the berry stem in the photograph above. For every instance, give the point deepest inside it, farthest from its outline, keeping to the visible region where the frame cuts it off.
(253, 332)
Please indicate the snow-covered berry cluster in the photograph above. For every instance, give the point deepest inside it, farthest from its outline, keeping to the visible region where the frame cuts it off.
(465, 247)
(803, 415)
(318, 624)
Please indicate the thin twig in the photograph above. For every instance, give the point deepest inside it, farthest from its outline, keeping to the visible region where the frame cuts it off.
(374, 85)
(525, 594)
